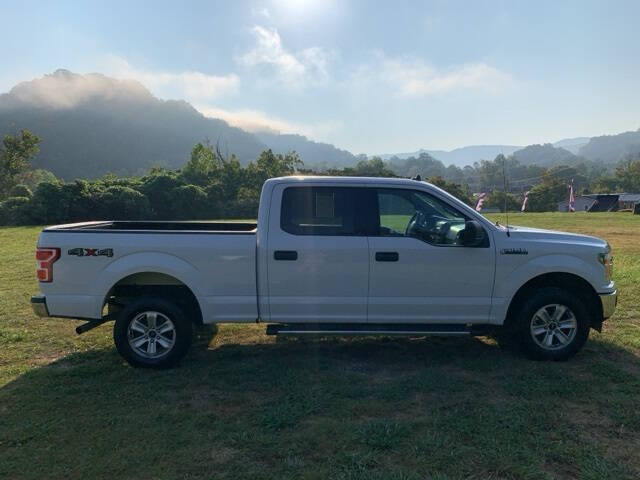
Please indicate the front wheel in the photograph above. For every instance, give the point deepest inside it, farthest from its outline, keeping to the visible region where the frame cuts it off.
(553, 324)
(152, 332)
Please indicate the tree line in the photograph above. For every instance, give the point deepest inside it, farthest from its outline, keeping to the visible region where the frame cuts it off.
(214, 186)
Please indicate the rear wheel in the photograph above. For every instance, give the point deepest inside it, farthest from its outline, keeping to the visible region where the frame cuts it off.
(152, 332)
(553, 324)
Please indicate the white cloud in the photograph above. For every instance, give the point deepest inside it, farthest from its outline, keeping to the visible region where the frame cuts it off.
(411, 77)
(309, 65)
(257, 121)
(193, 86)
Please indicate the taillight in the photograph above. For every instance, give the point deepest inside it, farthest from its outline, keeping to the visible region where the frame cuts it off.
(45, 258)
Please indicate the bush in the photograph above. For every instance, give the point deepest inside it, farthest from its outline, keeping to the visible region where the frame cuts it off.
(20, 191)
(123, 203)
(190, 202)
(15, 211)
(157, 188)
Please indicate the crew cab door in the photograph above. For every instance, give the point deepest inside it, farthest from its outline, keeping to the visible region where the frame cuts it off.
(419, 270)
(318, 259)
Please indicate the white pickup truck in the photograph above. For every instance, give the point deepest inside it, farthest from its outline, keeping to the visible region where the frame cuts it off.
(328, 256)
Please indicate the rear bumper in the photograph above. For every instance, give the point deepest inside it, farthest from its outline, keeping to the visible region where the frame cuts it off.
(39, 305)
(609, 302)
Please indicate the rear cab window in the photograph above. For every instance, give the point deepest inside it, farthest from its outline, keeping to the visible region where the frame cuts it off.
(318, 211)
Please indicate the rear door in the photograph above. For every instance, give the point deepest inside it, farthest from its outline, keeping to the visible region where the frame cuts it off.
(419, 271)
(318, 256)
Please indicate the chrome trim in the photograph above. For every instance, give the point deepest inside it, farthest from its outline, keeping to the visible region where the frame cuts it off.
(609, 302)
(39, 305)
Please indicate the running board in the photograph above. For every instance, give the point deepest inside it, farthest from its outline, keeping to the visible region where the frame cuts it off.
(375, 329)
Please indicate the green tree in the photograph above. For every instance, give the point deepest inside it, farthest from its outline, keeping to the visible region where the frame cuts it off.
(497, 198)
(189, 202)
(628, 174)
(545, 196)
(461, 192)
(20, 191)
(157, 188)
(15, 155)
(123, 203)
(202, 165)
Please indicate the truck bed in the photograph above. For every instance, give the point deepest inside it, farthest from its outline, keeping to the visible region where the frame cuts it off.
(153, 226)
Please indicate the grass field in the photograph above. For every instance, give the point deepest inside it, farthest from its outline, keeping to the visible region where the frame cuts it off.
(244, 405)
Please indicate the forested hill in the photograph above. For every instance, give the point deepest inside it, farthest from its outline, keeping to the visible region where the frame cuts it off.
(92, 124)
(612, 148)
(316, 154)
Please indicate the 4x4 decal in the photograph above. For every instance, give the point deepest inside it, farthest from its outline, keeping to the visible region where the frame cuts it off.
(91, 252)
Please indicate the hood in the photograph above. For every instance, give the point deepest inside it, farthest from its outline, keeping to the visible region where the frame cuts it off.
(538, 234)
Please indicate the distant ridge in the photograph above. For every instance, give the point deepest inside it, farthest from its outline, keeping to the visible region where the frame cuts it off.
(460, 156)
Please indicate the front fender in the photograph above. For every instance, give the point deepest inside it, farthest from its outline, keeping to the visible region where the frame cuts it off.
(508, 284)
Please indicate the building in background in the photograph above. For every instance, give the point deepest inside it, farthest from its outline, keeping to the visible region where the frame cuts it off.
(582, 204)
(602, 202)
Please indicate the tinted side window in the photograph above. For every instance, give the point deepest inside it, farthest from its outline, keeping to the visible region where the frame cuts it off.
(317, 211)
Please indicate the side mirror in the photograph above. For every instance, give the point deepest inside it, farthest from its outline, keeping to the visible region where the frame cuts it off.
(473, 234)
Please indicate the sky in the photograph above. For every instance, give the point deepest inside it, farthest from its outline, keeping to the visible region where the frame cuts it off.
(369, 76)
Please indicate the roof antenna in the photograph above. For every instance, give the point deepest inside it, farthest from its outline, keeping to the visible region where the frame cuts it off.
(504, 186)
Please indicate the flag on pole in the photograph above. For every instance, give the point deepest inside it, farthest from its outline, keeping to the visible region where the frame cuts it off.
(524, 202)
(572, 200)
(480, 201)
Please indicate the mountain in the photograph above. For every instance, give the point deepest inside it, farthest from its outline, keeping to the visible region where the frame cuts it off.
(92, 124)
(320, 155)
(460, 156)
(611, 148)
(572, 144)
(545, 156)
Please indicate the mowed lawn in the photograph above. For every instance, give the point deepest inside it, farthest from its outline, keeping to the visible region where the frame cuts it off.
(244, 405)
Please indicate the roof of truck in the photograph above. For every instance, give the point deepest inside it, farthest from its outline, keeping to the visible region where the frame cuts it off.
(354, 180)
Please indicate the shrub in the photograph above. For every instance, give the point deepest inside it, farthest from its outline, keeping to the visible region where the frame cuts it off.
(123, 203)
(15, 211)
(157, 188)
(190, 202)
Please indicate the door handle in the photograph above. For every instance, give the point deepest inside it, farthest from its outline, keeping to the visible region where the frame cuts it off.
(285, 255)
(387, 256)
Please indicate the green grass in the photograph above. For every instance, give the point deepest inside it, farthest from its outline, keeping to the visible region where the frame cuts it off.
(244, 405)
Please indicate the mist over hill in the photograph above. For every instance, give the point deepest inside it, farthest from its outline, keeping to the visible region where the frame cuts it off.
(92, 124)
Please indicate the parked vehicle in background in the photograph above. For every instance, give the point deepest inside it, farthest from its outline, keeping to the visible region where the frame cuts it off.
(329, 256)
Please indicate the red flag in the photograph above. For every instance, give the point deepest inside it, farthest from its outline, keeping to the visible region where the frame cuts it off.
(572, 200)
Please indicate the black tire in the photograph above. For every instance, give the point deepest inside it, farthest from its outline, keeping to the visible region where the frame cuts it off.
(561, 348)
(159, 351)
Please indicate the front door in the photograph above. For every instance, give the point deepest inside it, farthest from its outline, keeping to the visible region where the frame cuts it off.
(420, 272)
(318, 261)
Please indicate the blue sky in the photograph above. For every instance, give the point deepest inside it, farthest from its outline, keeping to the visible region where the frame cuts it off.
(371, 77)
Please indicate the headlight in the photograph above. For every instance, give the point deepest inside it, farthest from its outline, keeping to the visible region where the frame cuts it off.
(606, 259)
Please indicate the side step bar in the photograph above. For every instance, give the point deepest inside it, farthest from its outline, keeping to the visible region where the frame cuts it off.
(375, 329)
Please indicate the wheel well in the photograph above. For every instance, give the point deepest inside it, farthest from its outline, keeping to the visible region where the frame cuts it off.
(566, 281)
(144, 284)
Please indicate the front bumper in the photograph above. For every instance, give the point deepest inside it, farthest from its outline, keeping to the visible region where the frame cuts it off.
(609, 302)
(39, 305)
